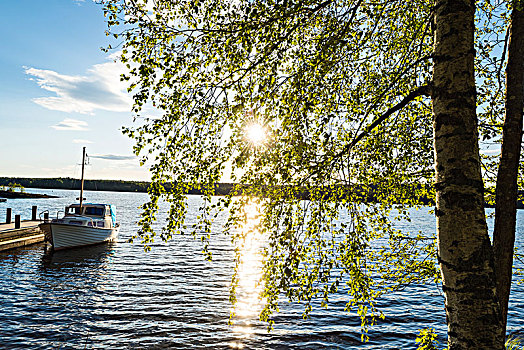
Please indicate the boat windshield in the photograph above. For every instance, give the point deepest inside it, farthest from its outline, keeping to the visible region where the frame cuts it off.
(90, 211)
(94, 211)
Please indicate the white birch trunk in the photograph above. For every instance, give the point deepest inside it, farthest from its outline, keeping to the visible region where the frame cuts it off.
(465, 252)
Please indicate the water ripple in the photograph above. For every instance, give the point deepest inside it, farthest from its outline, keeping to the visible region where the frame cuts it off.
(117, 296)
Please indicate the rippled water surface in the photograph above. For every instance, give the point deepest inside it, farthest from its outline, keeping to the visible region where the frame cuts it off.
(116, 296)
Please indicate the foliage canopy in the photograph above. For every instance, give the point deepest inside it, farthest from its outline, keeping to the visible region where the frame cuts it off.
(341, 89)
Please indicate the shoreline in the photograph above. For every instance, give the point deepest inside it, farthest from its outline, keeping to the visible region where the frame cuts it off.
(22, 195)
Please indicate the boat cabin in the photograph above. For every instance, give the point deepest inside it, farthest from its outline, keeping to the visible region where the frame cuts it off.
(88, 209)
(91, 215)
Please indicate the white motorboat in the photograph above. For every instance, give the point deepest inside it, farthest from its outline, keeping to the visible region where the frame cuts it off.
(82, 224)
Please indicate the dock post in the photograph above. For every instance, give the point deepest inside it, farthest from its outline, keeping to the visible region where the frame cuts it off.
(17, 221)
(33, 213)
(8, 216)
(46, 217)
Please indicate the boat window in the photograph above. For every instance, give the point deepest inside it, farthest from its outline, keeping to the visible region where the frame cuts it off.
(73, 210)
(113, 214)
(94, 211)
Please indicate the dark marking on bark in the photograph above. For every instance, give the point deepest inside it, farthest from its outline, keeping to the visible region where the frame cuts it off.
(446, 263)
(447, 289)
(473, 160)
(457, 8)
(451, 333)
(449, 135)
(490, 318)
(475, 263)
(473, 285)
(442, 58)
(458, 178)
(467, 97)
(447, 58)
(446, 119)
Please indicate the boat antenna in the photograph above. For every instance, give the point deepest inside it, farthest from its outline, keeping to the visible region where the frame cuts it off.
(82, 181)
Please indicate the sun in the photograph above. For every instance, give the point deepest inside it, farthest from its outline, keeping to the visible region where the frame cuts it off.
(256, 134)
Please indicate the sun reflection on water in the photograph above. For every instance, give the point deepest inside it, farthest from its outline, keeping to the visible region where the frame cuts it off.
(250, 286)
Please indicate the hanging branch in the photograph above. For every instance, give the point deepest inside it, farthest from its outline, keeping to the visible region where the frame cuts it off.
(424, 90)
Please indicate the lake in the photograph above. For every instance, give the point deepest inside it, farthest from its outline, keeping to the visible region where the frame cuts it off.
(116, 296)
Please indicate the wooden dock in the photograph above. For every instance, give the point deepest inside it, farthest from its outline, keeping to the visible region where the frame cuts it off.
(28, 233)
(20, 233)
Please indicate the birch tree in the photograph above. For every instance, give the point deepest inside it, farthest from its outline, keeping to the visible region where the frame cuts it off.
(507, 176)
(464, 248)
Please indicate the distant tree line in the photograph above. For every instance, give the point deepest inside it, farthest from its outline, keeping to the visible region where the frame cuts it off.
(67, 183)
(330, 192)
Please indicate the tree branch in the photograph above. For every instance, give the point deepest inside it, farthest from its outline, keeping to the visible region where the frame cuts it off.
(424, 90)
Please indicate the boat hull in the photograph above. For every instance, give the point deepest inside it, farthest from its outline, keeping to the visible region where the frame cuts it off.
(69, 236)
(46, 229)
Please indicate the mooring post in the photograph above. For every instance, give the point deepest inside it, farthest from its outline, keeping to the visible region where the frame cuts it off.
(8, 216)
(33, 213)
(17, 221)
(46, 217)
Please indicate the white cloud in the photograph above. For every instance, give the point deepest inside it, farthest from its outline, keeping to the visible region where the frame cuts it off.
(489, 150)
(99, 89)
(114, 56)
(111, 157)
(71, 124)
(81, 141)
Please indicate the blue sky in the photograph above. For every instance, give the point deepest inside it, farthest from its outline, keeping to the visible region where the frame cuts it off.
(60, 92)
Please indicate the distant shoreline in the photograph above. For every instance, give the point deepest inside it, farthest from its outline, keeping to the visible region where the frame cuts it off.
(67, 183)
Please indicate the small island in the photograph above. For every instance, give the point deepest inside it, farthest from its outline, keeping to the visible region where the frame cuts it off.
(15, 190)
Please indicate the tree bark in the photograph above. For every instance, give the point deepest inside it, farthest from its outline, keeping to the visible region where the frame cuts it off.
(506, 190)
(464, 248)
